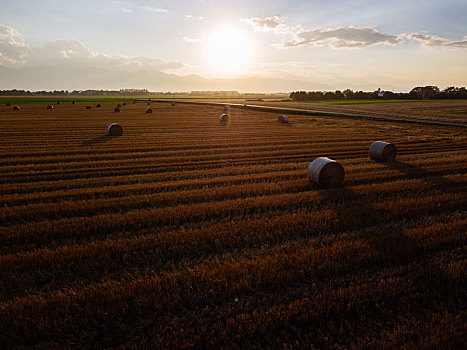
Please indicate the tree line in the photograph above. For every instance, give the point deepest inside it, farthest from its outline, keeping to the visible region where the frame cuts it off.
(417, 93)
(65, 93)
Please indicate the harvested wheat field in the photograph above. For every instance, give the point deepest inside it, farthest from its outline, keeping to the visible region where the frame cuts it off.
(431, 110)
(185, 232)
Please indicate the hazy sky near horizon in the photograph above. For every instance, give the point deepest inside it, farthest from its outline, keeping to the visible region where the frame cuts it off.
(370, 44)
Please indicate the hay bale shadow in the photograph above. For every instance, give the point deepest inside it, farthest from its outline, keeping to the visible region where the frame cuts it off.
(390, 241)
(98, 140)
(413, 171)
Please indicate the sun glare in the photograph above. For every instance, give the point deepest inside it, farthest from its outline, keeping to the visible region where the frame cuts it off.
(228, 51)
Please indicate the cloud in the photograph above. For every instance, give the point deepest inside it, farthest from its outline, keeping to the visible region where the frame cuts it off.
(349, 37)
(123, 5)
(189, 15)
(344, 37)
(190, 40)
(6, 31)
(13, 50)
(141, 63)
(154, 9)
(14, 53)
(275, 24)
(61, 49)
(428, 40)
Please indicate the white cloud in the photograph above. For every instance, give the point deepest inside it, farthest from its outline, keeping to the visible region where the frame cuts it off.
(59, 49)
(13, 52)
(347, 37)
(154, 9)
(6, 31)
(275, 24)
(123, 5)
(16, 54)
(428, 40)
(344, 37)
(190, 40)
(141, 63)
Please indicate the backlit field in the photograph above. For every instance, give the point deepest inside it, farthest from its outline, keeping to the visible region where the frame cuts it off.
(435, 110)
(187, 233)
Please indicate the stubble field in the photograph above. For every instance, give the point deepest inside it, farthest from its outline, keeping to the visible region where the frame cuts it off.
(447, 111)
(188, 233)
(437, 110)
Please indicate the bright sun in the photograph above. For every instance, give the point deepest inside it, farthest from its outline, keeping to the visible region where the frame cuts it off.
(228, 51)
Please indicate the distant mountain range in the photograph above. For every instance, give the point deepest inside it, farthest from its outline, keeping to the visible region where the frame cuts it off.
(81, 78)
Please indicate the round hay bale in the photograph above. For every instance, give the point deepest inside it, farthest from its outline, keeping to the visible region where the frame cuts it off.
(50, 107)
(223, 118)
(382, 151)
(124, 104)
(148, 110)
(88, 107)
(117, 110)
(114, 130)
(326, 172)
(16, 108)
(98, 105)
(283, 119)
(8, 104)
(119, 106)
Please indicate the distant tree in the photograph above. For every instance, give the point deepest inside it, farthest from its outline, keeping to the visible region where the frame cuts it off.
(338, 95)
(424, 92)
(315, 95)
(360, 95)
(452, 92)
(348, 94)
(329, 95)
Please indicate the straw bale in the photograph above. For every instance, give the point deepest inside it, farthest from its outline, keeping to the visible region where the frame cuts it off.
(382, 151)
(326, 172)
(223, 118)
(114, 129)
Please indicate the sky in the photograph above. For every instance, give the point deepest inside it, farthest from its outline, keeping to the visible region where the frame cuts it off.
(360, 44)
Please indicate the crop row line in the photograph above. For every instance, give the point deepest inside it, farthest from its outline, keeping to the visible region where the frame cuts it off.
(48, 233)
(92, 261)
(288, 185)
(214, 285)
